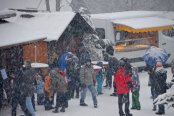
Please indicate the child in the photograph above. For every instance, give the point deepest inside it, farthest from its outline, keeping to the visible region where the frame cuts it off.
(99, 77)
(40, 90)
(135, 89)
(48, 92)
(61, 99)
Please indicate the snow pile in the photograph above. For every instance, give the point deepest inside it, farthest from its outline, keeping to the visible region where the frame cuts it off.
(166, 98)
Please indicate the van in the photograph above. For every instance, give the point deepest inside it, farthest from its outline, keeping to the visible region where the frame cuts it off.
(133, 32)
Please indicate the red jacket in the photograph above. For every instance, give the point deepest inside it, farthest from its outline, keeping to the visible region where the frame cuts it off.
(121, 80)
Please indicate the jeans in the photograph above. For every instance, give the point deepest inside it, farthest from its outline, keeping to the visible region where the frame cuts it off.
(93, 92)
(161, 108)
(19, 99)
(30, 106)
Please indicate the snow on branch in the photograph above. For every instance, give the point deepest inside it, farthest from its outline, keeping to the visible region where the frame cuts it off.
(166, 98)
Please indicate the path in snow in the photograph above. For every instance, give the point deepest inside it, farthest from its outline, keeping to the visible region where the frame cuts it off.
(107, 104)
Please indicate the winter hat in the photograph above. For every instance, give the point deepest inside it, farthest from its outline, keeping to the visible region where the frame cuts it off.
(124, 59)
(121, 63)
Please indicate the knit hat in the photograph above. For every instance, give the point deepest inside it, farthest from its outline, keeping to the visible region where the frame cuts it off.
(121, 63)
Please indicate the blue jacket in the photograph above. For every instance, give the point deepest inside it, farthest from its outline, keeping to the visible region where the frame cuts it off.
(61, 62)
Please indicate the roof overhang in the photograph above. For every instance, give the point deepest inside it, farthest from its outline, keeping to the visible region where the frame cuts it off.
(7, 14)
(144, 24)
(14, 34)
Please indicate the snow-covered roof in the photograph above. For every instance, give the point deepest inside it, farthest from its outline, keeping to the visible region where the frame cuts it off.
(50, 24)
(12, 34)
(6, 14)
(145, 22)
(169, 15)
(125, 15)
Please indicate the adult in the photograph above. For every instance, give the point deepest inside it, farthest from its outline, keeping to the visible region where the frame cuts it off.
(61, 89)
(160, 85)
(172, 69)
(29, 87)
(72, 71)
(151, 82)
(87, 77)
(122, 79)
(17, 96)
(1, 88)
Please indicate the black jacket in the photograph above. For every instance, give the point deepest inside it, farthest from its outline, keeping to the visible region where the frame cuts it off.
(160, 81)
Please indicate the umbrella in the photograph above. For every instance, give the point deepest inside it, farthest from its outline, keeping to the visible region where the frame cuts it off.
(97, 68)
(153, 54)
(62, 60)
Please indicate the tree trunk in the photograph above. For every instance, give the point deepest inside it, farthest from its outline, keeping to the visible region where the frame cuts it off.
(57, 5)
(47, 5)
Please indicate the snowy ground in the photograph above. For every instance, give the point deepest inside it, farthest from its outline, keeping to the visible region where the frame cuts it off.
(107, 104)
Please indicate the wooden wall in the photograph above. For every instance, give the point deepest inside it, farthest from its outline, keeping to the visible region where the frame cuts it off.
(36, 52)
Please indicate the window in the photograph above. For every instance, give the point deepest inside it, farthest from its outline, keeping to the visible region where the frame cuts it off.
(100, 32)
(169, 33)
(135, 41)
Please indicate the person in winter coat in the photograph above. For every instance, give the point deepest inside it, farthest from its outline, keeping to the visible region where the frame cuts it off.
(88, 77)
(28, 85)
(17, 96)
(172, 69)
(122, 79)
(151, 82)
(72, 75)
(1, 88)
(99, 77)
(40, 90)
(61, 89)
(160, 84)
(48, 92)
(135, 89)
(111, 70)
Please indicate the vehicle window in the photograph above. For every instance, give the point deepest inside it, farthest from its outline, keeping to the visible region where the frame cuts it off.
(169, 33)
(100, 32)
(135, 41)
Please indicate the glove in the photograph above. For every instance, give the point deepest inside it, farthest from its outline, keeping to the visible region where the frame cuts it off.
(129, 84)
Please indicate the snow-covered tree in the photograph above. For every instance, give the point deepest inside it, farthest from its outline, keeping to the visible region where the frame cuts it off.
(166, 98)
(63, 5)
(92, 42)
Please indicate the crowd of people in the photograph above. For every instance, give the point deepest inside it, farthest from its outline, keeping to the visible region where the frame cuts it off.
(74, 78)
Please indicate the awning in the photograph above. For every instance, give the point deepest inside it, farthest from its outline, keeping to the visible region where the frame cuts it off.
(145, 24)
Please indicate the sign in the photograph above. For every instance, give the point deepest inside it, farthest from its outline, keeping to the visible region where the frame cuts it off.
(4, 74)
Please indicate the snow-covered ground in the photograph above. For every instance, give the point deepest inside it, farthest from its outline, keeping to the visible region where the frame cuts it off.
(107, 104)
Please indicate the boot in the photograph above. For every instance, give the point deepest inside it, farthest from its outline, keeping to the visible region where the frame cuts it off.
(56, 110)
(83, 104)
(77, 95)
(154, 108)
(129, 114)
(160, 113)
(62, 109)
(95, 106)
(122, 115)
